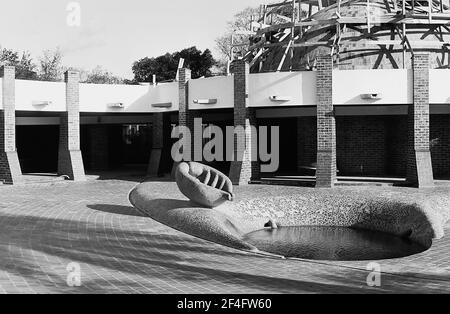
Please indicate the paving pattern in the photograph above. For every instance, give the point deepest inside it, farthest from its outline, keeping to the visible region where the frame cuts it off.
(46, 231)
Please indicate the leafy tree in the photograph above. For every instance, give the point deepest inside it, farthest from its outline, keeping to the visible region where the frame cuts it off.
(50, 63)
(102, 76)
(51, 69)
(199, 62)
(25, 68)
(8, 57)
(130, 82)
(82, 72)
(165, 67)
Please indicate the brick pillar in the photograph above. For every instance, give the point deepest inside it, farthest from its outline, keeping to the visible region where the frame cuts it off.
(419, 166)
(10, 172)
(99, 147)
(245, 170)
(70, 161)
(157, 145)
(326, 125)
(185, 116)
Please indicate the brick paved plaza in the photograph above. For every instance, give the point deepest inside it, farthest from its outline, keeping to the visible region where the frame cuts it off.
(43, 228)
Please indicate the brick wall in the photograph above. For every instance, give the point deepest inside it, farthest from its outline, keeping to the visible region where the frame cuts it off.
(8, 112)
(70, 161)
(397, 134)
(157, 136)
(306, 141)
(10, 171)
(245, 170)
(99, 147)
(440, 145)
(70, 120)
(326, 124)
(183, 87)
(167, 162)
(395, 144)
(361, 145)
(186, 116)
(419, 167)
(377, 143)
(158, 130)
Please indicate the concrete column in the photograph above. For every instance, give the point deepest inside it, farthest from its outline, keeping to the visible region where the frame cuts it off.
(419, 165)
(157, 145)
(245, 166)
(185, 117)
(70, 161)
(10, 171)
(326, 125)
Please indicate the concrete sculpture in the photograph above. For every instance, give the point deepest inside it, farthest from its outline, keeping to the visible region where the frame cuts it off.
(403, 213)
(203, 185)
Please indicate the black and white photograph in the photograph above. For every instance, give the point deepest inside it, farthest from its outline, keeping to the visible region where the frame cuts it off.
(226, 155)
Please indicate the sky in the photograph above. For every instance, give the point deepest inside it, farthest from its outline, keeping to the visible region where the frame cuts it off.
(114, 33)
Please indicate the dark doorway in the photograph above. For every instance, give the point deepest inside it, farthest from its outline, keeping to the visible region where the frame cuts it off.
(221, 165)
(167, 162)
(287, 142)
(135, 145)
(114, 147)
(37, 147)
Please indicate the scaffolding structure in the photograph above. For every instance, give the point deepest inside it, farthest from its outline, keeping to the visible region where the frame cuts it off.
(289, 35)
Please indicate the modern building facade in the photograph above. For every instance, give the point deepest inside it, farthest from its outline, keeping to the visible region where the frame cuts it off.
(391, 122)
(366, 117)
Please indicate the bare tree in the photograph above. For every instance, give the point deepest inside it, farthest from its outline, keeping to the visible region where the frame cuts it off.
(101, 76)
(241, 22)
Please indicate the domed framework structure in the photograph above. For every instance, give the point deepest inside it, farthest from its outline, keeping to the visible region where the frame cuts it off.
(359, 34)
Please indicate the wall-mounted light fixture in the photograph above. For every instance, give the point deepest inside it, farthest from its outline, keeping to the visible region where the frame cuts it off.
(280, 98)
(116, 105)
(372, 96)
(41, 103)
(162, 105)
(205, 101)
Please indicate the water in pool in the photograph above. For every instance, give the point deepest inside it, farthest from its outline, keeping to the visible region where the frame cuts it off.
(332, 243)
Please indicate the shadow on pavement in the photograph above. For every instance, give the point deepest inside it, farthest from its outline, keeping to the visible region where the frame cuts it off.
(116, 209)
(161, 259)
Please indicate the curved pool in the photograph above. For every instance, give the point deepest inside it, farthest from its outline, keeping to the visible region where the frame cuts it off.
(332, 243)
